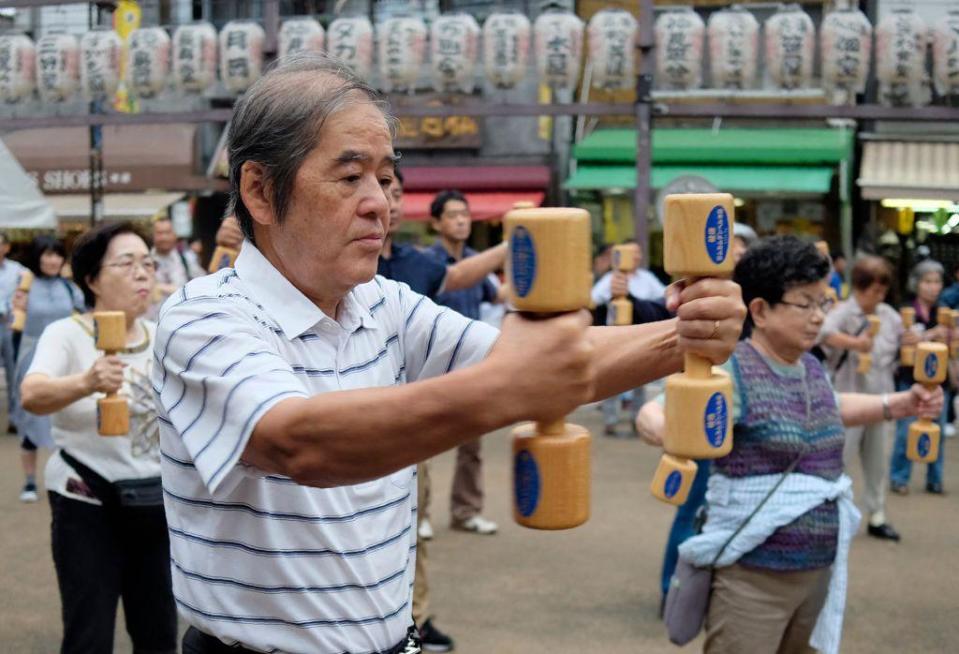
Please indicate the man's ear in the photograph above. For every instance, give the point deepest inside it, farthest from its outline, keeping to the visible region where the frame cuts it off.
(256, 192)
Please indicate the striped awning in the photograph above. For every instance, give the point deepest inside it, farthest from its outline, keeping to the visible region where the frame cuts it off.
(907, 169)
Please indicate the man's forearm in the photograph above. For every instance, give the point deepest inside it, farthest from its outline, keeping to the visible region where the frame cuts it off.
(348, 437)
(473, 270)
(628, 357)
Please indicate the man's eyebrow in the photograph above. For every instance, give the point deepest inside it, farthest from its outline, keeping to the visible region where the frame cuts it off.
(351, 156)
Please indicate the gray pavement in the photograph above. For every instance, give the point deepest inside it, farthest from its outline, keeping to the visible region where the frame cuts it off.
(591, 589)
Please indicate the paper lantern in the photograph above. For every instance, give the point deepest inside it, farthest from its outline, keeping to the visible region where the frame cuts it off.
(402, 50)
(241, 54)
(790, 48)
(506, 49)
(148, 61)
(300, 35)
(680, 39)
(58, 67)
(17, 67)
(846, 45)
(99, 64)
(945, 55)
(612, 47)
(733, 48)
(901, 43)
(558, 38)
(194, 57)
(454, 49)
(351, 41)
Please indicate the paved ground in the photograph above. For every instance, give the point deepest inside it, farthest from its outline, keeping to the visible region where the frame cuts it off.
(592, 589)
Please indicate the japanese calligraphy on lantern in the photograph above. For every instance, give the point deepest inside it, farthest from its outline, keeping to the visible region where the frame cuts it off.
(402, 50)
(790, 47)
(194, 57)
(612, 45)
(454, 46)
(148, 61)
(733, 48)
(351, 41)
(300, 35)
(901, 44)
(846, 44)
(99, 64)
(506, 49)
(241, 54)
(17, 67)
(58, 67)
(945, 55)
(558, 38)
(680, 37)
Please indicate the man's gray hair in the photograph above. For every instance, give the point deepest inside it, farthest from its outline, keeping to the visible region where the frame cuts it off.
(922, 269)
(277, 123)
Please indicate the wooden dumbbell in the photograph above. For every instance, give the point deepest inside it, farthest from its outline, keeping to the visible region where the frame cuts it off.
(922, 440)
(907, 353)
(19, 315)
(865, 358)
(110, 334)
(222, 258)
(947, 318)
(697, 232)
(547, 268)
(620, 308)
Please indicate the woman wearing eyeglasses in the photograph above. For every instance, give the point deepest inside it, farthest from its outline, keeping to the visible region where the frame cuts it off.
(51, 298)
(109, 534)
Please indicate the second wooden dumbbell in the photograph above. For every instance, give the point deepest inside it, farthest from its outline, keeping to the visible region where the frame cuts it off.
(110, 333)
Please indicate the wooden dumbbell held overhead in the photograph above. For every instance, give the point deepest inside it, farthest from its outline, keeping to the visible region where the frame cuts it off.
(922, 441)
(697, 233)
(548, 271)
(865, 358)
(19, 315)
(620, 308)
(110, 333)
(223, 257)
(907, 353)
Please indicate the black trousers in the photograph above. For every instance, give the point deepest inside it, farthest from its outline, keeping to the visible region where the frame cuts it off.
(103, 555)
(197, 642)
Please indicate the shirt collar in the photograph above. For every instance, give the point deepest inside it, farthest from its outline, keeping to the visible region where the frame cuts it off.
(293, 312)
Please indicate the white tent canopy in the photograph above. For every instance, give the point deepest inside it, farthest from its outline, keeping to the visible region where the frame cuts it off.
(22, 205)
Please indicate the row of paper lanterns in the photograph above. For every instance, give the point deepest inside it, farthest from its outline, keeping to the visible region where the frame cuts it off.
(845, 39)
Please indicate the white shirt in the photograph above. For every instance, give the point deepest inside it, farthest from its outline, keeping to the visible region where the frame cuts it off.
(258, 559)
(66, 348)
(172, 272)
(643, 285)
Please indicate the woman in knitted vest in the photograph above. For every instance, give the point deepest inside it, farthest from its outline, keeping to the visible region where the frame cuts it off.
(779, 586)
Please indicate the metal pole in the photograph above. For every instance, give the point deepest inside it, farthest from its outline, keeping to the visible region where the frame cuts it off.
(96, 143)
(644, 145)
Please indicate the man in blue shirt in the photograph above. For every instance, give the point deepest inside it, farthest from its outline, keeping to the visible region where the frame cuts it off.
(450, 217)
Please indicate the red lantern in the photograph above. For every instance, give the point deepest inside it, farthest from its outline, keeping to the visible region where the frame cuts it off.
(558, 38)
(901, 43)
(846, 44)
(300, 35)
(17, 67)
(680, 38)
(454, 46)
(506, 49)
(148, 61)
(241, 54)
(733, 48)
(58, 67)
(194, 57)
(351, 41)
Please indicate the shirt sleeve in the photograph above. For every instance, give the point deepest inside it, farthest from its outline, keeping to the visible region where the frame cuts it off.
(835, 320)
(437, 339)
(52, 355)
(601, 293)
(215, 374)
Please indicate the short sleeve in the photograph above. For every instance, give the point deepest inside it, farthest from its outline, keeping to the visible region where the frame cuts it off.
(601, 293)
(437, 339)
(53, 353)
(436, 276)
(833, 323)
(216, 373)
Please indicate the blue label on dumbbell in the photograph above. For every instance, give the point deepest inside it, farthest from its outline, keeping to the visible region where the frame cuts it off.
(526, 483)
(924, 445)
(714, 420)
(224, 262)
(522, 254)
(931, 366)
(717, 234)
(98, 417)
(673, 481)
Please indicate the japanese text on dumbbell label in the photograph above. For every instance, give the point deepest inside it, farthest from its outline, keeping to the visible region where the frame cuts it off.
(522, 261)
(714, 420)
(931, 366)
(673, 481)
(717, 234)
(924, 445)
(526, 476)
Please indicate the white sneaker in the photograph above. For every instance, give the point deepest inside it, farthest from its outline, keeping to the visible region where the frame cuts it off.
(29, 494)
(949, 431)
(478, 525)
(425, 531)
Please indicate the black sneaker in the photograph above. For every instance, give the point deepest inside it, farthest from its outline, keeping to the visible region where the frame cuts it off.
(884, 532)
(433, 639)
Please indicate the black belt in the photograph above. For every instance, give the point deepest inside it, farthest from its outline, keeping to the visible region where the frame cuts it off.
(197, 642)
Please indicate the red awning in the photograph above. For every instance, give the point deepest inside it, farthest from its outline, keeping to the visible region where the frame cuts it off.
(474, 178)
(483, 206)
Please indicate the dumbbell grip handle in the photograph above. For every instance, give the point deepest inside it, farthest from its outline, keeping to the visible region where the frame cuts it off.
(697, 366)
(551, 428)
(110, 353)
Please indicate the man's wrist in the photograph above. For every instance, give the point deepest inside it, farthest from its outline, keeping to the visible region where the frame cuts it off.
(886, 408)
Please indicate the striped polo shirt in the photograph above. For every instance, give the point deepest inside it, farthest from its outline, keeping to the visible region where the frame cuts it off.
(258, 559)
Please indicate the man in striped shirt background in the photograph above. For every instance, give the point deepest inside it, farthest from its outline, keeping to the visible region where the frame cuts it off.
(297, 390)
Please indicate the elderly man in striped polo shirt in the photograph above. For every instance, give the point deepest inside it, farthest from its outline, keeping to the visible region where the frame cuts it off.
(297, 390)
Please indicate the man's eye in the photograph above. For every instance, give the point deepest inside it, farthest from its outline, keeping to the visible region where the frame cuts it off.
(351, 179)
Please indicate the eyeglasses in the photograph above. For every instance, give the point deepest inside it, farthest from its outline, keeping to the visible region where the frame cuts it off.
(128, 265)
(824, 305)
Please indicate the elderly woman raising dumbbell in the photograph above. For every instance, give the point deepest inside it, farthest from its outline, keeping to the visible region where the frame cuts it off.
(109, 534)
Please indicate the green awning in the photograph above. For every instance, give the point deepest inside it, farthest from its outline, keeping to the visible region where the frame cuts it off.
(744, 180)
(733, 145)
